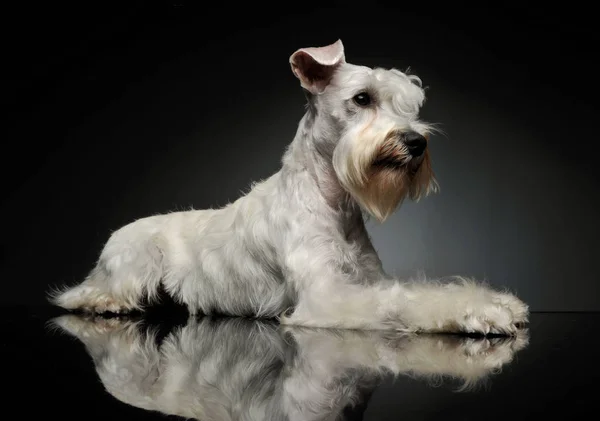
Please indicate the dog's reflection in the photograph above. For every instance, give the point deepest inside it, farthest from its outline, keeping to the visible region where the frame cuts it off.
(241, 369)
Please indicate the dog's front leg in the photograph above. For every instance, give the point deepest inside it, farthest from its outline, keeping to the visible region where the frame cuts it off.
(330, 298)
(461, 306)
(332, 303)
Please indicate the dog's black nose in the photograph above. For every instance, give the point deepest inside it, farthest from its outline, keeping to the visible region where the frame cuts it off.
(415, 142)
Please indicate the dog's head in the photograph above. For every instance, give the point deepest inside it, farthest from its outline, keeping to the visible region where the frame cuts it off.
(367, 122)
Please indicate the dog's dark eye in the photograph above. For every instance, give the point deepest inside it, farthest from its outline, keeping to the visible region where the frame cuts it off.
(363, 99)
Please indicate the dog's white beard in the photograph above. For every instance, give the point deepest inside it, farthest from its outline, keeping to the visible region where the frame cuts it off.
(379, 190)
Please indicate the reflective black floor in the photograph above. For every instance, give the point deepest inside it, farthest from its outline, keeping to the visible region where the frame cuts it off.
(236, 369)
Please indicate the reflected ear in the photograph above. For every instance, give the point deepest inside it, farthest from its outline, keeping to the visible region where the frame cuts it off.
(314, 66)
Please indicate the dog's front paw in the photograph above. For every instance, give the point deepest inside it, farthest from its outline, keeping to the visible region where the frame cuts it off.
(490, 318)
(463, 307)
(503, 314)
(518, 309)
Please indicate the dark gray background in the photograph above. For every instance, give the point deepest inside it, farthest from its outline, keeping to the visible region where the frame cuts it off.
(116, 114)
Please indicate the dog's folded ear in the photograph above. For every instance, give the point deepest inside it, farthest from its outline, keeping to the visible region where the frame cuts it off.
(314, 66)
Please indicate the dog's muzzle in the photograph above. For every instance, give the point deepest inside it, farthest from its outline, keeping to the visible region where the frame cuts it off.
(401, 149)
(415, 142)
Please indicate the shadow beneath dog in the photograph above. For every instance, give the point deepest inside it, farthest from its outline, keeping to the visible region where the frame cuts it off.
(242, 369)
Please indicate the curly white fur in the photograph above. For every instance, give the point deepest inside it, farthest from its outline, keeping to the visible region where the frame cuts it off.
(296, 242)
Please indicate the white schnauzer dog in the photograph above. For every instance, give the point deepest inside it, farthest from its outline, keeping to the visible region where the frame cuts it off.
(295, 247)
